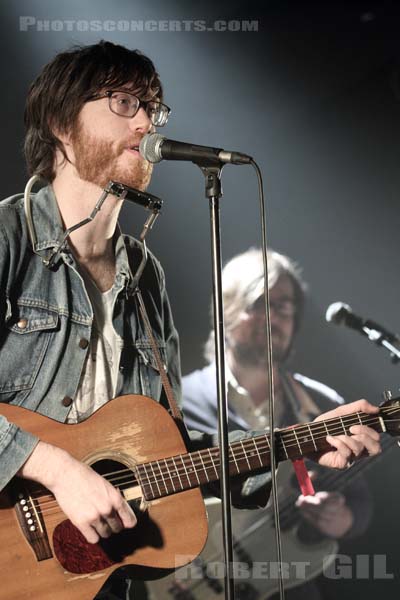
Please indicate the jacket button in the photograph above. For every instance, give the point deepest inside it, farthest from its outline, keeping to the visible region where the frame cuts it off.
(66, 401)
(22, 323)
(83, 343)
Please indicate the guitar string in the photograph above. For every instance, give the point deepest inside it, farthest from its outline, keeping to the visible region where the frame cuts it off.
(289, 432)
(208, 463)
(53, 510)
(213, 464)
(328, 479)
(287, 506)
(215, 451)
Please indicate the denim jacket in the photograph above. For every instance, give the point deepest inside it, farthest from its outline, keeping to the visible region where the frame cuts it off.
(45, 325)
(46, 320)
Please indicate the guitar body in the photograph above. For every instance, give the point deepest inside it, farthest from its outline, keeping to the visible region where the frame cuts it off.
(172, 532)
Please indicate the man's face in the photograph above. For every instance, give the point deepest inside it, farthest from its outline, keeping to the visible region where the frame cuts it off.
(102, 146)
(247, 340)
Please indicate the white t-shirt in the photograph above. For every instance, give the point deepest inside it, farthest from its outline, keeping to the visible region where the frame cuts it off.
(99, 378)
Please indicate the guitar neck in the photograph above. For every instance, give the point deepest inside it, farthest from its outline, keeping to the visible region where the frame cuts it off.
(186, 471)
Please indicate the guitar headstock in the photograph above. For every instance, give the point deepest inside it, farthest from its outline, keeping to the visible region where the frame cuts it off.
(390, 413)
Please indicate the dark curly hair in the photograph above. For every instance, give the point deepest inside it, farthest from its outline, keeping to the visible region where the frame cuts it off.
(57, 95)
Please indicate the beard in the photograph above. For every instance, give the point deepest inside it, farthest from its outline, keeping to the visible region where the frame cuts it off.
(254, 353)
(96, 161)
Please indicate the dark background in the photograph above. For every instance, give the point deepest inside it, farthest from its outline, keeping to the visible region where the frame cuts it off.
(314, 96)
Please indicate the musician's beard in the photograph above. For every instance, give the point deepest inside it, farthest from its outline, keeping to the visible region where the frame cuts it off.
(254, 353)
(97, 161)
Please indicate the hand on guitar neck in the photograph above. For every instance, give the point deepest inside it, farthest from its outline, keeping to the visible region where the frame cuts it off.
(364, 440)
(91, 503)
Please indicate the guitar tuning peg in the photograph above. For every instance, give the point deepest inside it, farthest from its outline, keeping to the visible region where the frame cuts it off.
(387, 395)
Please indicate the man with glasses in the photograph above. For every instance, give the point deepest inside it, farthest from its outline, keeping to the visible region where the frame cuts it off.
(297, 398)
(71, 336)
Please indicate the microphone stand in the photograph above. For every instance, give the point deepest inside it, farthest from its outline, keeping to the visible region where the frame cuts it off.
(383, 338)
(213, 191)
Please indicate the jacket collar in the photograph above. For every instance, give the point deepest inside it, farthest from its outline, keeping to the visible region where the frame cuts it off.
(49, 233)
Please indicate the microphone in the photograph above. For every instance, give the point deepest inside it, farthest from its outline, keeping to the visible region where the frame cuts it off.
(155, 147)
(342, 314)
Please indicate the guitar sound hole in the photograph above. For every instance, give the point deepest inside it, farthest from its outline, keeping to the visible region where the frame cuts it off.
(121, 477)
(115, 472)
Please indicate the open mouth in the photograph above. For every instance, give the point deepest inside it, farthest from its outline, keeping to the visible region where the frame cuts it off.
(134, 149)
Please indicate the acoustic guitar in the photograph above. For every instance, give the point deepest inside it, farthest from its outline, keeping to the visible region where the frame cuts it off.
(137, 446)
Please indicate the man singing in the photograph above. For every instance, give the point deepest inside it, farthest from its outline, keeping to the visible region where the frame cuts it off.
(71, 336)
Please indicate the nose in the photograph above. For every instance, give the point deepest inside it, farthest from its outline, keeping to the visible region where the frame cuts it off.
(141, 122)
(274, 316)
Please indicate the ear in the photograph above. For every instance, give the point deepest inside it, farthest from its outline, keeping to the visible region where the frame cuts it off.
(65, 138)
(64, 152)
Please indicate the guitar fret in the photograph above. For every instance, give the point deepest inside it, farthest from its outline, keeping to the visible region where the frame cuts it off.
(344, 428)
(284, 447)
(258, 453)
(234, 459)
(147, 482)
(245, 454)
(297, 440)
(312, 437)
(155, 478)
(360, 419)
(162, 476)
(266, 437)
(212, 461)
(195, 470)
(204, 467)
(169, 474)
(177, 472)
(184, 466)
(326, 428)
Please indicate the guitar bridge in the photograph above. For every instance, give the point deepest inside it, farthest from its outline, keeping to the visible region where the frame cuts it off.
(31, 521)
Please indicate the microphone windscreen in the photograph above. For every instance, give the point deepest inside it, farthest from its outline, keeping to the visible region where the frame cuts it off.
(150, 147)
(337, 313)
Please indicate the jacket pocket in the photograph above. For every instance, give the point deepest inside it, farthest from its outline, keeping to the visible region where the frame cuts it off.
(26, 337)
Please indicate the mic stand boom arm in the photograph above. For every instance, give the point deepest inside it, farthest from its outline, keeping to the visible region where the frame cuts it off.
(381, 338)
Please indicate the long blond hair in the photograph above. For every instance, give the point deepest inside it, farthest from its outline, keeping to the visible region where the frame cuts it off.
(243, 284)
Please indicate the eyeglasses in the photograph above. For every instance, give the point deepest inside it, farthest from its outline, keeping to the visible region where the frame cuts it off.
(285, 308)
(127, 105)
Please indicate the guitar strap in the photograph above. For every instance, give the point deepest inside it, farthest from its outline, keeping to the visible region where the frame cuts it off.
(174, 409)
(302, 406)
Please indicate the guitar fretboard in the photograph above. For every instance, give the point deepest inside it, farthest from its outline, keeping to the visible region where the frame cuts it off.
(185, 471)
